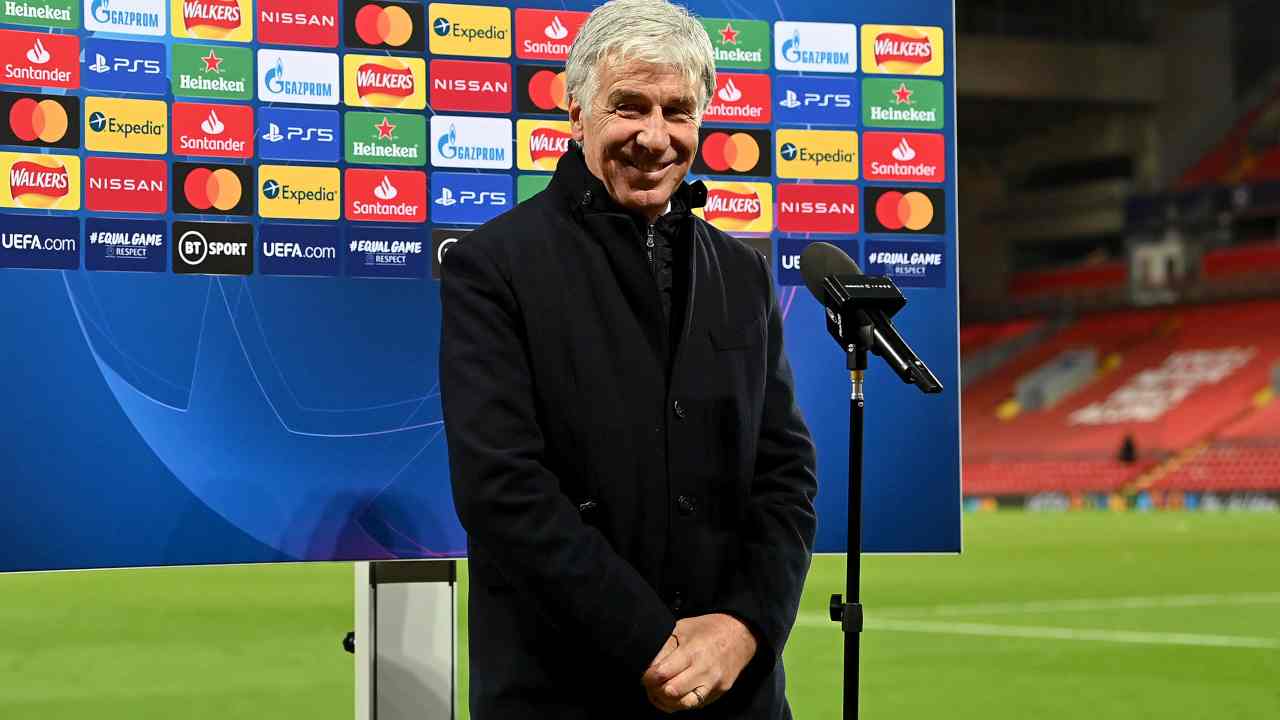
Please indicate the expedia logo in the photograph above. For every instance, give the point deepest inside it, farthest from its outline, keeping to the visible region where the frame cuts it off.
(739, 207)
(470, 30)
(39, 121)
(541, 143)
(385, 82)
(129, 126)
(733, 152)
(212, 19)
(902, 50)
(818, 154)
(212, 248)
(299, 192)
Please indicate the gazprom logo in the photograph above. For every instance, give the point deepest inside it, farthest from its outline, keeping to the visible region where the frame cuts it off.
(471, 142)
(815, 47)
(309, 78)
(275, 77)
(134, 17)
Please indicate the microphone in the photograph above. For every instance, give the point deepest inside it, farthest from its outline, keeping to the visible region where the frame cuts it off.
(860, 301)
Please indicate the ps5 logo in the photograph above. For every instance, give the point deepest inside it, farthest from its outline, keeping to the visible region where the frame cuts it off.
(793, 100)
(119, 66)
(298, 134)
(815, 100)
(470, 197)
(295, 133)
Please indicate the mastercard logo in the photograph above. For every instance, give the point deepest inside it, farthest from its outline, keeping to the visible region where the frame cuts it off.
(218, 189)
(546, 90)
(378, 25)
(910, 210)
(723, 151)
(43, 120)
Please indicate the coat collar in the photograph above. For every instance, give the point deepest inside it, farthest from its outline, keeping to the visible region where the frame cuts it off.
(585, 193)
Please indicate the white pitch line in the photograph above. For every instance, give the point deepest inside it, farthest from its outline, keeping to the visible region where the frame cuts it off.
(1059, 633)
(1084, 605)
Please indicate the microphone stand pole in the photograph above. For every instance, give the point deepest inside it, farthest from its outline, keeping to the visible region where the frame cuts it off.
(849, 614)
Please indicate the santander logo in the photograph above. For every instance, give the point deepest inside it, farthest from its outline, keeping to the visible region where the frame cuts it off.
(385, 190)
(213, 124)
(37, 55)
(730, 92)
(741, 98)
(904, 152)
(556, 30)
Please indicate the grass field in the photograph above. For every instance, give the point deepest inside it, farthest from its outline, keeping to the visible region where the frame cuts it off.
(1046, 616)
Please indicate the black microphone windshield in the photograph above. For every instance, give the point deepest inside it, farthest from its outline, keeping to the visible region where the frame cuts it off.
(821, 259)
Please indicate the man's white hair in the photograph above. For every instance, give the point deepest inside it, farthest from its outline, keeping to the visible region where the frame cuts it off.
(650, 31)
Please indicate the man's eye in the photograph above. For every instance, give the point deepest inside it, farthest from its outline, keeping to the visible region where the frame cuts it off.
(628, 109)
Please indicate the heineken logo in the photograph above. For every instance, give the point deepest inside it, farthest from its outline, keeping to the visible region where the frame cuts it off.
(41, 13)
(901, 103)
(739, 43)
(385, 138)
(220, 72)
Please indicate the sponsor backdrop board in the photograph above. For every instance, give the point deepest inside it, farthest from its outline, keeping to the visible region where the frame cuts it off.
(222, 223)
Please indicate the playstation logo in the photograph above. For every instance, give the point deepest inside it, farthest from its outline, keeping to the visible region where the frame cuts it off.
(99, 63)
(791, 101)
(446, 198)
(273, 133)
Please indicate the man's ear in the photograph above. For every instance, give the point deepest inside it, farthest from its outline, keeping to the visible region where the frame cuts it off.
(575, 119)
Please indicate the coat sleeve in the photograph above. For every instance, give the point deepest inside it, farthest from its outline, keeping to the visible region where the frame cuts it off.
(507, 499)
(777, 537)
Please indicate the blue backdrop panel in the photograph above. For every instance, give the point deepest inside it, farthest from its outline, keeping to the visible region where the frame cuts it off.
(157, 418)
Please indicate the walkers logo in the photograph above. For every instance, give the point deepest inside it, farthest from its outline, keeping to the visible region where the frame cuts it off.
(546, 34)
(131, 17)
(45, 243)
(296, 134)
(125, 245)
(914, 157)
(46, 61)
(739, 43)
(815, 100)
(739, 98)
(380, 252)
(207, 248)
(222, 72)
(818, 154)
(912, 104)
(306, 78)
(386, 195)
(906, 210)
(909, 264)
(294, 191)
(123, 66)
(385, 25)
(902, 50)
(126, 126)
(470, 86)
(42, 13)
(227, 20)
(733, 152)
(311, 23)
(542, 90)
(204, 189)
(469, 198)
(815, 47)
(126, 185)
(739, 206)
(474, 30)
(385, 82)
(472, 143)
(385, 138)
(540, 143)
(529, 185)
(441, 241)
(213, 130)
(818, 209)
(307, 250)
(789, 251)
(39, 182)
(39, 120)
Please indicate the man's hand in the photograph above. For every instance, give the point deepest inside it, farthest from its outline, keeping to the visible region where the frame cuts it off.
(712, 651)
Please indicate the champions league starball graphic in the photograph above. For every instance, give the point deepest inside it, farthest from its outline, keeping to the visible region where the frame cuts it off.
(222, 225)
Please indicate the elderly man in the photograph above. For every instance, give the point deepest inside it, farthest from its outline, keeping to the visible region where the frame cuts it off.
(628, 460)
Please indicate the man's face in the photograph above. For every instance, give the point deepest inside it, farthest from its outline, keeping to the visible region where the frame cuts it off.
(640, 135)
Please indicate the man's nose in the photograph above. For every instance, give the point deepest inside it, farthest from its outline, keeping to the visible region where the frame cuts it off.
(653, 136)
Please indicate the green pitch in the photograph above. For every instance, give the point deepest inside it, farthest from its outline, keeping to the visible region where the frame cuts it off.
(1046, 616)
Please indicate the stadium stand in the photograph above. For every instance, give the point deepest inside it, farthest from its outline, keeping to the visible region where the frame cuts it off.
(1244, 457)
(1170, 379)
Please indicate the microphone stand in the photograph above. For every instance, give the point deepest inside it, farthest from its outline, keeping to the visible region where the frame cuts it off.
(849, 614)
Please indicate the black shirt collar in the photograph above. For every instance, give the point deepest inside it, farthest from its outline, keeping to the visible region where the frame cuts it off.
(584, 192)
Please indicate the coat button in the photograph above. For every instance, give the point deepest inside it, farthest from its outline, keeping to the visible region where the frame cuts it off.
(679, 409)
(586, 198)
(687, 505)
(677, 601)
